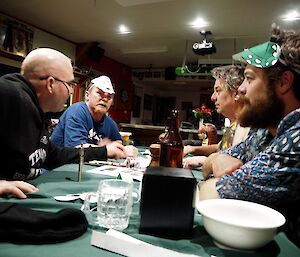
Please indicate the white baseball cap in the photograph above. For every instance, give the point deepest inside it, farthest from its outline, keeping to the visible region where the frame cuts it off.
(104, 83)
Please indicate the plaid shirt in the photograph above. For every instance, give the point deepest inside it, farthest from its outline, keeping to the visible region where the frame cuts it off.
(271, 170)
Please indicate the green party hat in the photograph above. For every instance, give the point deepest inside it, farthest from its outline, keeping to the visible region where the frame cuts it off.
(262, 56)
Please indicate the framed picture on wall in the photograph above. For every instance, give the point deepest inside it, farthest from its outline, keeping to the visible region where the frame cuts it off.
(19, 42)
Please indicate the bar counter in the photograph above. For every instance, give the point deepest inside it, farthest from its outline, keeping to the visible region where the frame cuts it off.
(148, 134)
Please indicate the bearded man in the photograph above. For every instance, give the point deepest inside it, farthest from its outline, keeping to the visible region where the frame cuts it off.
(265, 168)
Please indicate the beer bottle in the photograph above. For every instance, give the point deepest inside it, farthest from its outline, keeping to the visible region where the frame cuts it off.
(171, 150)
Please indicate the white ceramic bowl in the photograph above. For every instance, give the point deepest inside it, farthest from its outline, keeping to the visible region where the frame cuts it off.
(239, 224)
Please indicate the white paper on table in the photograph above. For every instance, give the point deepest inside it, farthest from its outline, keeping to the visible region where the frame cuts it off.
(146, 152)
(143, 162)
(123, 244)
(127, 174)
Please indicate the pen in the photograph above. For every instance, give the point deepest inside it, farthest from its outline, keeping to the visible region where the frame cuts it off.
(81, 160)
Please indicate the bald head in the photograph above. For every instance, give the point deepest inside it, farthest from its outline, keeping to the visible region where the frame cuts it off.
(43, 62)
(49, 72)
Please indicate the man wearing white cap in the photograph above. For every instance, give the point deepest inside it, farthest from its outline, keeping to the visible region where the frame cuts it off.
(87, 122)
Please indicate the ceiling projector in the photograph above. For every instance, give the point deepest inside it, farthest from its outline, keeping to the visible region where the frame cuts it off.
(205, 47)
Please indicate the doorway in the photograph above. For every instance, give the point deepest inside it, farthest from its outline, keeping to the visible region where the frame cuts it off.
(162, 107)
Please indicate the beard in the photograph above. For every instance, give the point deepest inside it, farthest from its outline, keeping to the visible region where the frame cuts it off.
(263, 113)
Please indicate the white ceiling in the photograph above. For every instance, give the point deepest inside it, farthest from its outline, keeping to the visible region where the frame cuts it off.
(235, 24)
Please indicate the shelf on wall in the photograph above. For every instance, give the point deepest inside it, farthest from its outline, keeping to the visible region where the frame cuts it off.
(11, 55)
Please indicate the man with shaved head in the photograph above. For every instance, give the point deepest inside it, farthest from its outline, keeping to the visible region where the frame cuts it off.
(44, 85)
(52, 90)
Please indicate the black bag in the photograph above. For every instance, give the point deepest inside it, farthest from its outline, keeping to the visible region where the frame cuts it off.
(20, 224)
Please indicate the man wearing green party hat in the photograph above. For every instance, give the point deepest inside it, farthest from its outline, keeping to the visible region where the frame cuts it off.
(265, 168)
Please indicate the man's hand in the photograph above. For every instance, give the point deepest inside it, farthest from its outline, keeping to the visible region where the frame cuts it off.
(17, 188)
(115, 150)
(225, 164)
(106, 141)
(208, 190)
(207, 165)
(188, 149)
(130, 151)
(193, 162)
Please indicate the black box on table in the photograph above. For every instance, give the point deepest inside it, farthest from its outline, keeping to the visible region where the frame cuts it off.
(167, 202)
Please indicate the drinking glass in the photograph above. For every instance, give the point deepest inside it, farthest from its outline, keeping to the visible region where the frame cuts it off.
(114, 204)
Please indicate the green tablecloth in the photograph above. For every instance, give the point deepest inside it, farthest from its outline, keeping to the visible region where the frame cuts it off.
(63, 181)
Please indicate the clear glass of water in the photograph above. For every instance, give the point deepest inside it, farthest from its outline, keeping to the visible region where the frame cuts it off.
(114, 203)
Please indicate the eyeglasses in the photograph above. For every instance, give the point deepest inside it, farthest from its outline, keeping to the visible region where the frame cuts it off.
(101, 92)
(105, 95)
(71, 84)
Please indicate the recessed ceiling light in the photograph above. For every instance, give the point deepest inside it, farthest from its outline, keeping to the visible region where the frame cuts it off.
(123, 29)
(291, 16)
(198, 23)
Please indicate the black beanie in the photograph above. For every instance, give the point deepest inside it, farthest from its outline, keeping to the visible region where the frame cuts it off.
(22, 225)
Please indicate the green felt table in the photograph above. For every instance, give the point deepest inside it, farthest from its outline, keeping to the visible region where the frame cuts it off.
(62, 181)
